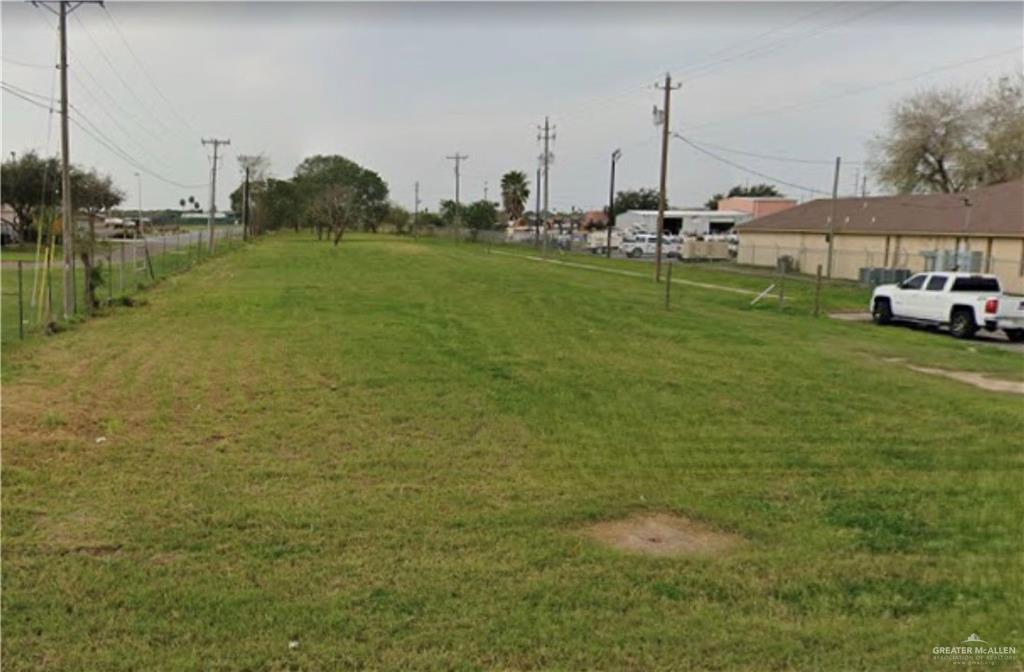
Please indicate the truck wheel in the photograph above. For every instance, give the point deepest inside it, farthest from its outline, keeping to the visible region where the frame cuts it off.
(961, 324)
(1015, 335)
(634, 253)
(882, 312)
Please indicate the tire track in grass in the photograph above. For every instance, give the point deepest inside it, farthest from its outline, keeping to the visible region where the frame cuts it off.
(675, 281)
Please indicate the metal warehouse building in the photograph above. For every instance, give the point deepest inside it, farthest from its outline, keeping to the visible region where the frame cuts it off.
(980, 230)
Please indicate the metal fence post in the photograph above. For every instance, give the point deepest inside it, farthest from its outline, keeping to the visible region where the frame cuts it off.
(21, 306)
(120, 273)
(110, 279)
(782, 285)
(817, 291)
(668, 286)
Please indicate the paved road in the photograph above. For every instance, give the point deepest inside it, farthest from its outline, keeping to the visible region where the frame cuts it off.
(155, 244)
(989, 338)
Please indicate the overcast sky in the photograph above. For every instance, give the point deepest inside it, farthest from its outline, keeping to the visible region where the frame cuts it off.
(398, 87)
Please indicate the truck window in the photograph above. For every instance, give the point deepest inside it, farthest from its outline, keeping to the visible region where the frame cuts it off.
(936, 283)
(914, 283)
(975, 283)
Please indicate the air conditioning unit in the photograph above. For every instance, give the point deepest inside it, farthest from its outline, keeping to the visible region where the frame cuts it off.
(787, 264)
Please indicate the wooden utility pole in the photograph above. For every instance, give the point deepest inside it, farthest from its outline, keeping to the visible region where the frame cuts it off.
(65, 7)
(536, 214)
(416, 212)
(611, 205)
(458, 159)
(832, 221)
(547, 134)
(664, 120)
(213, 185)
(245, 205)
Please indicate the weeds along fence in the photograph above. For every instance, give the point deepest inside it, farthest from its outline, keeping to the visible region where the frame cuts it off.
(33, 296)
(851, 266)
(772, 287)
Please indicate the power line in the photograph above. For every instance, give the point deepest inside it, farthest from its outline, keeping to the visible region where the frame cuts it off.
(773, 157)
(96, 134)
(746, 169)
(708, 60)
(23, 64)
(124, 83)
(783, 43)
(864, 89)
(145, 71)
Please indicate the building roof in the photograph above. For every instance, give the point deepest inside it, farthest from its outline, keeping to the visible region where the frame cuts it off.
(997, 210)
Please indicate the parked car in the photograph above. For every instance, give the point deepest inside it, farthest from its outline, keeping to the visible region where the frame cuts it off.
(964, 302)
(646, 244)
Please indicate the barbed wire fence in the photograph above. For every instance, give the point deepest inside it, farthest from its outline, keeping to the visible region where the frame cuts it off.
(32, 294)
(794, 276)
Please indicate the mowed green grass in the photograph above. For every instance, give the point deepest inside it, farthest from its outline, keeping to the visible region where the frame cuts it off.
(387, 451)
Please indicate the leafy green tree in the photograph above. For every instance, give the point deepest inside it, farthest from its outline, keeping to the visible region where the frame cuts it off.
(515, 190)
(27, 181)
(92, 193)
(399, 218)
(368, 191)
(638, 199)
(447, 212)
(481, 216)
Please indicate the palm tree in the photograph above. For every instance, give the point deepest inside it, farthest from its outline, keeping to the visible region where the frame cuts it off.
(515, 190)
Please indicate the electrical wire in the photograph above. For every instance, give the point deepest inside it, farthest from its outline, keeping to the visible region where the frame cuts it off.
(783, 43)
(96, 134)
(145, 71)
(864, 89)
(745, 168)
(773, 157)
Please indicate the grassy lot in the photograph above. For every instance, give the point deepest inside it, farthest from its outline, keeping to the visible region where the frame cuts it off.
(386, 452)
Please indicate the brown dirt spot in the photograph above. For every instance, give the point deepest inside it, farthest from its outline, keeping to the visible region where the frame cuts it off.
(662, 535)
(976, 379)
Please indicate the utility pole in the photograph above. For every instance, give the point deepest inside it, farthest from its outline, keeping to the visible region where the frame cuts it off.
(245, 205)
(65, 7)
(485, 190)
(864, 186)
(536, 213)
(213, 185)
(664, 118)
(416, 212)
(547, 134)
(458, 159)
(138, 210)
(832, 220)
(616, 155)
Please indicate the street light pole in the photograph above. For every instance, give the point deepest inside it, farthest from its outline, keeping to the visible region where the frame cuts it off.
(616, 155)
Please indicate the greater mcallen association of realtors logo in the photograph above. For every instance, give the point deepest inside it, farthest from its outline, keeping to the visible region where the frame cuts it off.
(975, 651)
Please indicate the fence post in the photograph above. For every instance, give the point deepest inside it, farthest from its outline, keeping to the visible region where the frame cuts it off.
(817, 291)
(110, 280)
(21, 306)
(149, 262)
(121, 271)
(668, 286)
(782, 285)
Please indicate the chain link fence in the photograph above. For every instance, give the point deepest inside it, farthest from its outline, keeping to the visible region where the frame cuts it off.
(33, 295)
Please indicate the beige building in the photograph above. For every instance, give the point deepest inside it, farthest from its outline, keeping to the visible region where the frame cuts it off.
(980, 230)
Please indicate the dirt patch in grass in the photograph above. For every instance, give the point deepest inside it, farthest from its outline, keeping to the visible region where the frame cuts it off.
(976, 379)
(663, 535)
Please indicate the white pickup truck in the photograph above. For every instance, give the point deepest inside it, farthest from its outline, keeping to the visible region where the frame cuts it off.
(964, 302)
